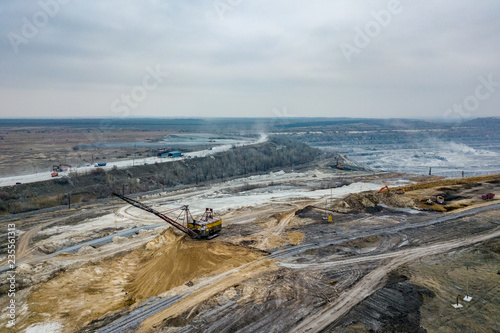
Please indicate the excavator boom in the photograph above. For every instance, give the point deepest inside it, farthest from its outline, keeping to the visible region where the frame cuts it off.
(142, 206)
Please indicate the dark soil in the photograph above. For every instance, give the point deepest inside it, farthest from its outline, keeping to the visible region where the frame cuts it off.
(394, 308)
(288, 296)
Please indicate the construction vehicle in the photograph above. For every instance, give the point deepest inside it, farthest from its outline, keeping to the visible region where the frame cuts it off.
(339, 165)
(206, 227)
(429, 201)
(488, 196)
(61, 168)
(54, 174)
(384, 188)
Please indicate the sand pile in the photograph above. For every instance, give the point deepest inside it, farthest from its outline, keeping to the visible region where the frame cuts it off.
(295, 237)
(271, 242)
(170, 261)
(87, 249)
(76, 297)
(455, 181)
(357, 202)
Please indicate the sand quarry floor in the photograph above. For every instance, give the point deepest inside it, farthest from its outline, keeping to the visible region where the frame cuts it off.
(277, 251)
(168, 261)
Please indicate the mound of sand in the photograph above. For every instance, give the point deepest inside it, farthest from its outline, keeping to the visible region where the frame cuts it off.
(357, 202)
(76, 297)
(24, 268)
(87, 249)
(295, 237)
(119, 239)
(173, 260)
(271, 242)
(455, 181)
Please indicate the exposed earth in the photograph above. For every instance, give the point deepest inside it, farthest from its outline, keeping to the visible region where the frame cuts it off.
(385, 262)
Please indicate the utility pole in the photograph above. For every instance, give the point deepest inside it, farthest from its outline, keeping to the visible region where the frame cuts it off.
(330, 218)
(467, 298)
(133, 158)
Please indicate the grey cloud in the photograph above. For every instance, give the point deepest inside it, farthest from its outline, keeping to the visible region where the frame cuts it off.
(262, 55)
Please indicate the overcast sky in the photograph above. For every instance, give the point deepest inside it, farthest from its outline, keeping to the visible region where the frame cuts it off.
(250, 58)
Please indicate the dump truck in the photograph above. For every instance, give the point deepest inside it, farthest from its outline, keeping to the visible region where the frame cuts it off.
(54, 174)
(206, 227)
(488, 196)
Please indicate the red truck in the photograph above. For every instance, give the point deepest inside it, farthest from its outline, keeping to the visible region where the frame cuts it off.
(488, 196)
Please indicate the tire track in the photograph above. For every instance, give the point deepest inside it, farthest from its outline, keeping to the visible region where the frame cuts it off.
(373, 281)
(347, 300)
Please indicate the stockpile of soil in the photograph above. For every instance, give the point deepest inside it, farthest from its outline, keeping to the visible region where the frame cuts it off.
(172, 260)
(76, 297)
(358, 202)
(455, 181)
(295, 237)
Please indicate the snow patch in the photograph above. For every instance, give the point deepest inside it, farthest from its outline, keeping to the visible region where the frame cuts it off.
(53, 327)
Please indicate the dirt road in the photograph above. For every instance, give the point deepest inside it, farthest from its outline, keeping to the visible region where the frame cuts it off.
(347, 300)
(42, 176)
(374, 280)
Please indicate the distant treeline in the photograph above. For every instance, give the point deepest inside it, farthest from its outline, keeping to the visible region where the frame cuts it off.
(238, 161)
